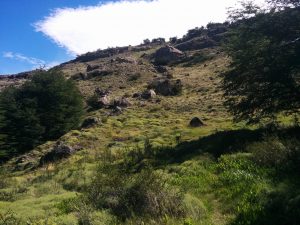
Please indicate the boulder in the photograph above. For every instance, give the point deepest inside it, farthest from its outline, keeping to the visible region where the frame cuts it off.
(121, 102)
(98, 72)
(124, 60)
(148, 94)
(196, 122)
(136, 95)
(167, 55)
(103, 102)
(91, 68)
(116, 110)
(89, 122)
(161, 69)
(59, 152)
(166, 87)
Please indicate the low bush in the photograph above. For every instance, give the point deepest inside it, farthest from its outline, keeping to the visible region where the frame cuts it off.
(146, 194)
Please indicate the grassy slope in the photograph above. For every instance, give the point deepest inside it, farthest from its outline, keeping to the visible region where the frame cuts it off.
(36, 195)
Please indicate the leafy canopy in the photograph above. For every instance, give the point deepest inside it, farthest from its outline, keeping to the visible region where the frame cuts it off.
(44, 108)
(263, 78)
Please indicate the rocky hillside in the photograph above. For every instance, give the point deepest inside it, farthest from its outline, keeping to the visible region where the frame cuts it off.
(149, 148)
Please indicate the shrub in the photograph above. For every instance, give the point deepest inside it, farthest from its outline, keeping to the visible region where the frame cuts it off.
(144, 195)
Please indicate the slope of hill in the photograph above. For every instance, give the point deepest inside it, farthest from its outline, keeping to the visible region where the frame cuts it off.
(151, 134)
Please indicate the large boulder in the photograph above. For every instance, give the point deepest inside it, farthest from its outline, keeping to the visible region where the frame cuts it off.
(167, 55)
(166, 87)
(196, 122)
(60, 151)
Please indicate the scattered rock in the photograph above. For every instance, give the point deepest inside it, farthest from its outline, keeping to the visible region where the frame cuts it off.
(103, 102)
(167, 55)
(122, 102)
(59, 151)
(124, 60)
(166, 87)
(136, 95)
(91, 68)
(90, 122)
(117, 110)
(196, 122)
(148, 94)
(161, 69)
(98, 72)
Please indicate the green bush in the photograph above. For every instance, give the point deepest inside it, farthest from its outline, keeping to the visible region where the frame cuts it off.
(143, 195)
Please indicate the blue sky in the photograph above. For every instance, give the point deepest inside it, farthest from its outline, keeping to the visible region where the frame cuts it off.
(18, 35)
(48, 32)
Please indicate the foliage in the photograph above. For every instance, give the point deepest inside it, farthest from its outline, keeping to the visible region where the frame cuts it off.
(44, 108)
(144, 195)
(263, 78)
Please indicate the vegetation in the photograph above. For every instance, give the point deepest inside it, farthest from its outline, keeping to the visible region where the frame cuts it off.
(146, 165)
(44, 108)
(263, 78)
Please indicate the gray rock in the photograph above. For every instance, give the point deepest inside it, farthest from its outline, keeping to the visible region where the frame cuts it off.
(196, 122)
(59, 152)
(166, 87)
(148, 94)
(167, 55)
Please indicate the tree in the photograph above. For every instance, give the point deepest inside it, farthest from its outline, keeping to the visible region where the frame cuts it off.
(44, 108)
(263, 77)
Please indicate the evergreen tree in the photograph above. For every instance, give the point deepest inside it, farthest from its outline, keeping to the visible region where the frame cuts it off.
(44, 108)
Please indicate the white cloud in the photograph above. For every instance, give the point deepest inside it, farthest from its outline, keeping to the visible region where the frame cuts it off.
(35, 62)
(128, 22)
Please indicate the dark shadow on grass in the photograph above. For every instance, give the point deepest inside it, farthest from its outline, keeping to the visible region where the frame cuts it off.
(219, 143)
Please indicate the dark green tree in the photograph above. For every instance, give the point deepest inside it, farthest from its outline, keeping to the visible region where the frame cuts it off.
(44, 108)
(263, 77)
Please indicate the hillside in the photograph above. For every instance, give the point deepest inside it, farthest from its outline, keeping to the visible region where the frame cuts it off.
(205, 162)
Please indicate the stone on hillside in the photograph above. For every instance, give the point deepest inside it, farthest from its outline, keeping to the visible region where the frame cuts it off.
(148, 94)
(91, 68)
(79, 76)
(161, 69)
(166, 87)
(103, 102)
(122, 102)
(167, 55)
(196, 122)
(124, 60)
(98, 73)
(89, 122)
(59, 151)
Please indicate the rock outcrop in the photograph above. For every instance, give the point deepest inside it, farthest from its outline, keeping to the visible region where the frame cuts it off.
(59, 152)
(167, 55)
(166, 87)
